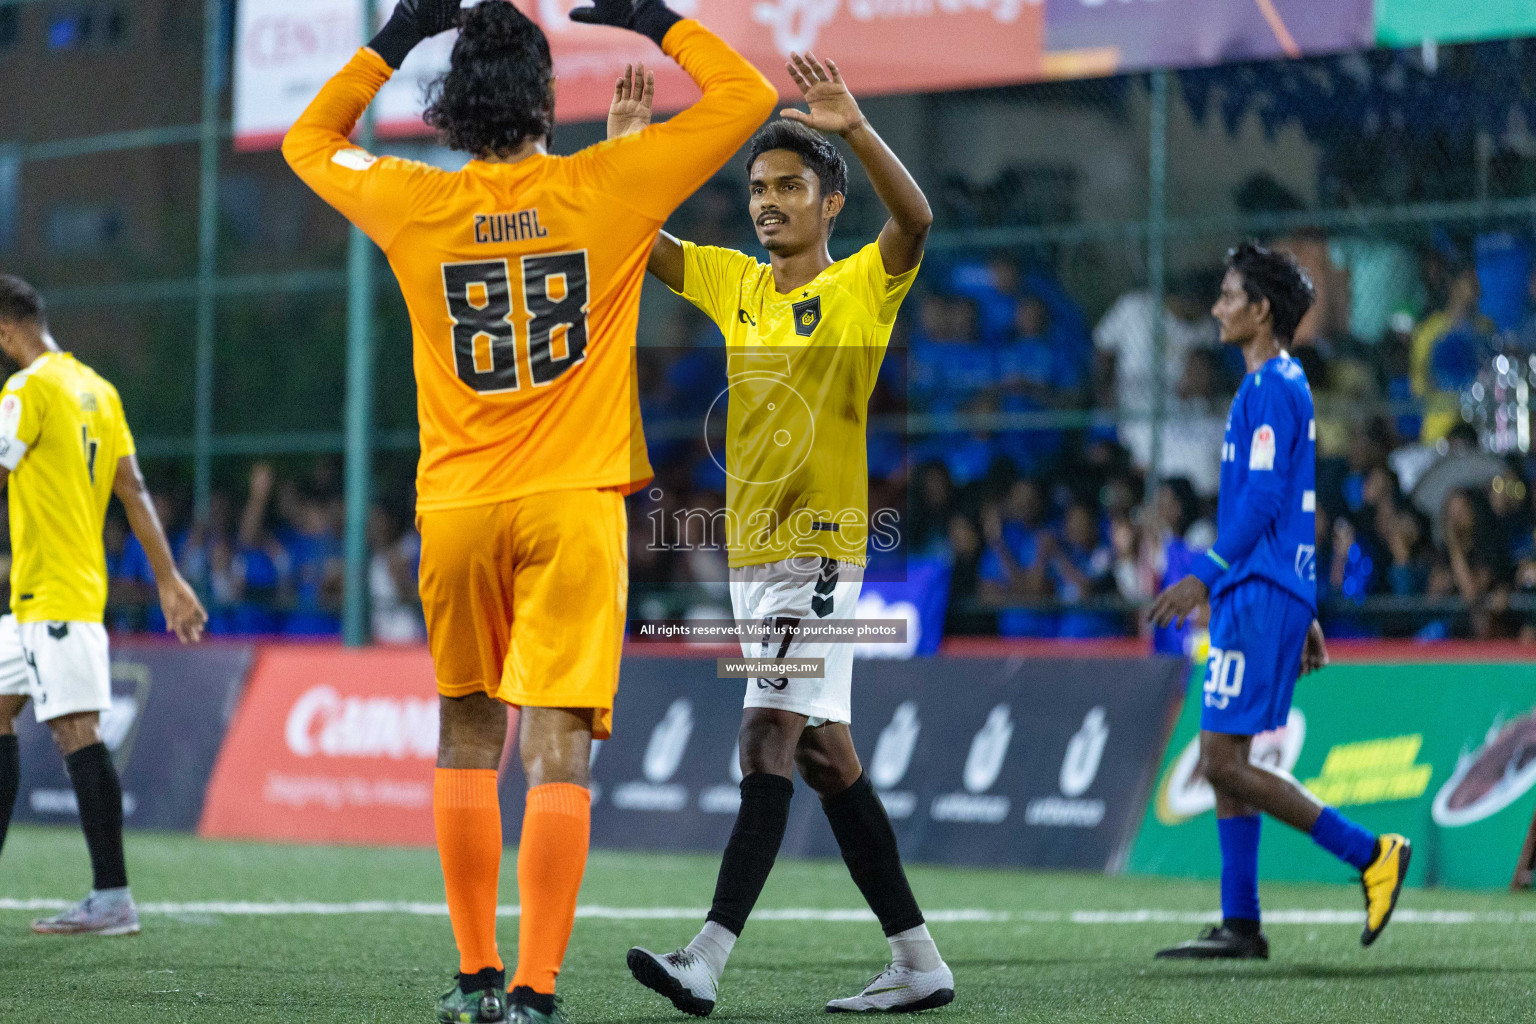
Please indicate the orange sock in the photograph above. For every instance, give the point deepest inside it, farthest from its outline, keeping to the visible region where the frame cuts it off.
(557, 826)
(468, 818)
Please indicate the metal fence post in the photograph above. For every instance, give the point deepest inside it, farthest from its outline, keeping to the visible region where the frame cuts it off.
(359, 414)
(207, 261)
(1157, 283)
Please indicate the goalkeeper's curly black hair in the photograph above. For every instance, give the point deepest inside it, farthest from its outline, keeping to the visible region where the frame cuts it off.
(1273, 274)
(498, 91)
(814, 148)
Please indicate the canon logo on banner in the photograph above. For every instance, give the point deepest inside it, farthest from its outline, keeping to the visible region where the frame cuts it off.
(322, 722)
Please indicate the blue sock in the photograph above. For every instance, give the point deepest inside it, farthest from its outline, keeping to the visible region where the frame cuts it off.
(1344, 839)
(1239, 867)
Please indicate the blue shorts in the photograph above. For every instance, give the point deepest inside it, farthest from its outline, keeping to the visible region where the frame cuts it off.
(1258, 633)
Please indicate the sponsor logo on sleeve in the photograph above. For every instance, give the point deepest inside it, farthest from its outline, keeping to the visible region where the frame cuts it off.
(354, 159)
(1261, 455)
(10, 415)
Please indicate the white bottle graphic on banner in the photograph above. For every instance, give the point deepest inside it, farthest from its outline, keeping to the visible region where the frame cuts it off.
(668, 742)
(988, 749)
(1084, 752)
(736, 775)
(893, 751)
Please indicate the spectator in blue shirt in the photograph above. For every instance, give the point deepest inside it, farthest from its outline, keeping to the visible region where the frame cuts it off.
(1014, 567)
(314, 545)
(949, 364)
(1035, 377)
(260, 563)
(1083, 567)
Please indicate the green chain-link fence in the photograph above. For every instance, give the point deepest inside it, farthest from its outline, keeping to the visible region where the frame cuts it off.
(234, 311)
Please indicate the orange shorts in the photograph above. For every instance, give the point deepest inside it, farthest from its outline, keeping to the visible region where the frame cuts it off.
(525, 600)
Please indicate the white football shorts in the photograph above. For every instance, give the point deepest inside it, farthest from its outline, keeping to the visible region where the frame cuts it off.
(62, 666)
(808, 589)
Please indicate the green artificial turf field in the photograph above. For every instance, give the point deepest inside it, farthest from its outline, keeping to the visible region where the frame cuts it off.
(1037, 947)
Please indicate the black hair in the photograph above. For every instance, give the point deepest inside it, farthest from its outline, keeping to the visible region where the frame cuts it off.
(1274, 275)
(19, 301)
(813, 148)
(496, 93)
(1189, 503)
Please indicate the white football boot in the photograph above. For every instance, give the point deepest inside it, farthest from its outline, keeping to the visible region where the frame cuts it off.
(94, 915)
(680, 976)
(901, 990)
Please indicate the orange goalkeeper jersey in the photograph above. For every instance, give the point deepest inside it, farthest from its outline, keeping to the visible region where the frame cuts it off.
(523, 280)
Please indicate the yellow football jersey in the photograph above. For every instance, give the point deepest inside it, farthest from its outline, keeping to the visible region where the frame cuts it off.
(801, 368)
(62, 431)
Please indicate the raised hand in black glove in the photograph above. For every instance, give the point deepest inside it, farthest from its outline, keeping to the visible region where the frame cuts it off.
(648, 17)
(413, 21)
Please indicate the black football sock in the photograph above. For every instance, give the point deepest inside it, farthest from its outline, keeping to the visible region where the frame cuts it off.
(868, 842)
(487, 978)
(100, 796)
(543, 1002)
(753, 848)
(10, 781)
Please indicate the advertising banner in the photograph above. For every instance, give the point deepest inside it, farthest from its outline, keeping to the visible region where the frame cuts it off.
(920, 598)
(286, 49)
(1409, 22)
(1443, 753)
(1042, 763)
(170, 708)
(329, 745)
(1130, 35)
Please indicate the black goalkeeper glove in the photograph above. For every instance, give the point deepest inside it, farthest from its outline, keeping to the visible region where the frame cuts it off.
(413, 21)
(648, 17)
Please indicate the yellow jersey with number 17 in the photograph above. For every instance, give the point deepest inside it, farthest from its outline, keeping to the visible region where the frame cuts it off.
(62, 430)
(801, 367)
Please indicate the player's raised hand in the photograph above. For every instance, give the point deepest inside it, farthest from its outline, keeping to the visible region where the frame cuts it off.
(411, 22)
(1178, 602)
(184, 614)
(832, 107)
(431, 17)
(651, 18)
(633, 96)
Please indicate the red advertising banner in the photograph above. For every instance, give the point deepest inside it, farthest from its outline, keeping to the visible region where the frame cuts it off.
(882, 46)
(329, 745)
(285, 50)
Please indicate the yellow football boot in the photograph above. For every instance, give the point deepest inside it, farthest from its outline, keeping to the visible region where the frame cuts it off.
(1382, 881)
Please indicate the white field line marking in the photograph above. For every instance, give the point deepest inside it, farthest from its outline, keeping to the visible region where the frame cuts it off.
(1404, 915)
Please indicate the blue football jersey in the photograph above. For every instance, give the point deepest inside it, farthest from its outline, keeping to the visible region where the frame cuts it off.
(1267, 510)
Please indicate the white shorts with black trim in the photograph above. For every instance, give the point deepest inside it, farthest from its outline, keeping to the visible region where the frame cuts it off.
(782, 595)
(62, 666)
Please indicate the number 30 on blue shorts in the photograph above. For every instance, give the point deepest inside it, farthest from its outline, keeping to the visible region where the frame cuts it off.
(1258, 633)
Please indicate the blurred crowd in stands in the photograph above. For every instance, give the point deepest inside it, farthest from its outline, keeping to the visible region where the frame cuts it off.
(1025, 460)
(270, 561)
(1012, 431)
